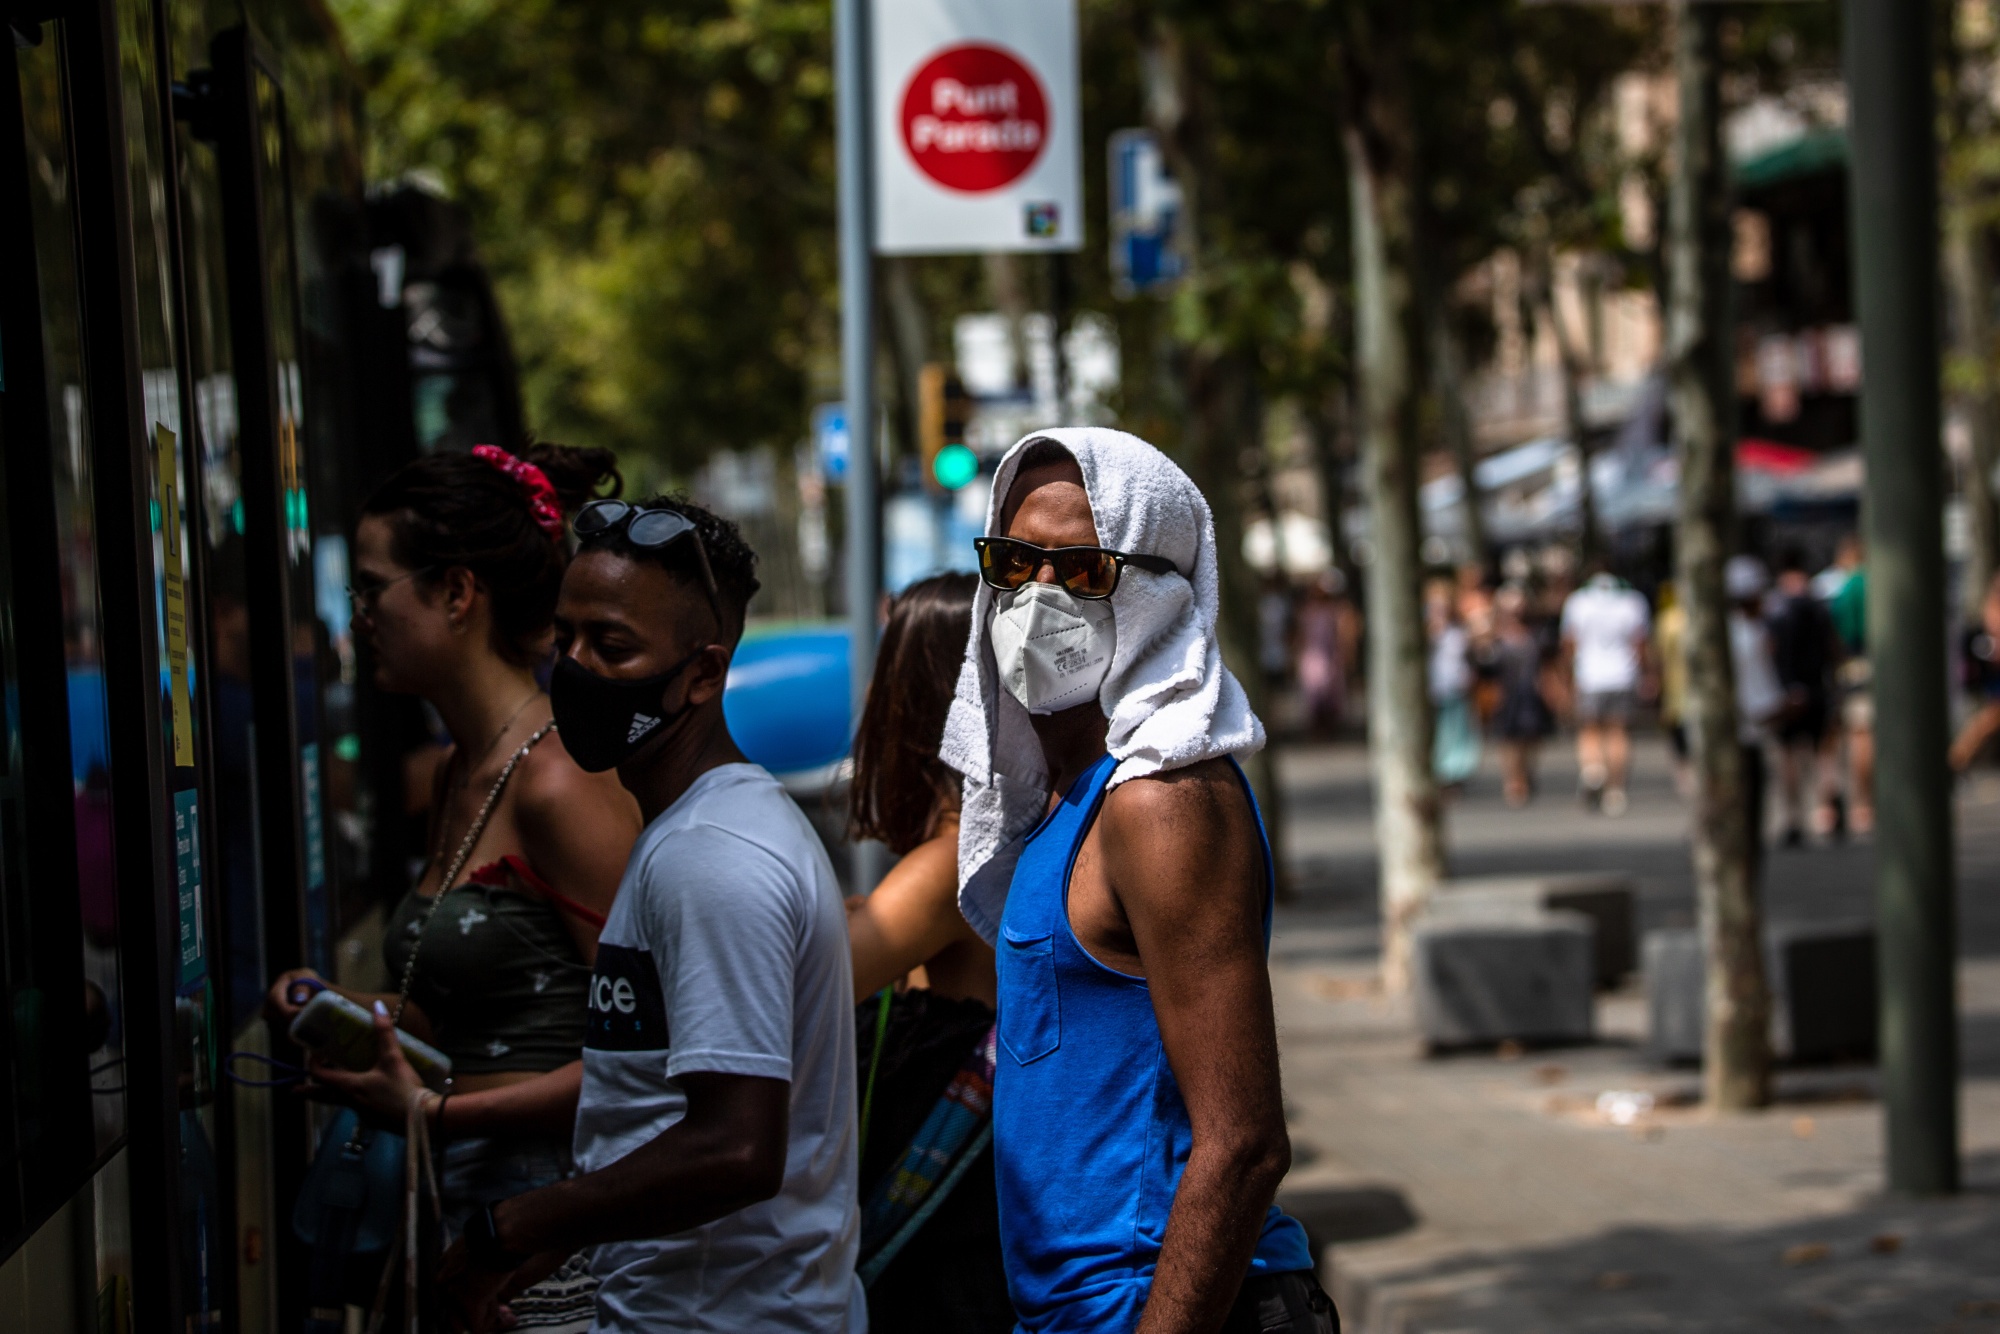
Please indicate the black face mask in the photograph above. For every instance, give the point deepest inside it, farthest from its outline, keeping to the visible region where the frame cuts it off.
(605, 721)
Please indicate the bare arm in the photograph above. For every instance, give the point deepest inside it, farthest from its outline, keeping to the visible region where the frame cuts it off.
(545, 1104)
(1187, 870)
(911, 916)
(1972, 738)
(726, 1154)
(577, 830)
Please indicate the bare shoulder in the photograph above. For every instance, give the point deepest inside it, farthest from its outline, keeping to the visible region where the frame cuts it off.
(550, 786)
(1190, 804)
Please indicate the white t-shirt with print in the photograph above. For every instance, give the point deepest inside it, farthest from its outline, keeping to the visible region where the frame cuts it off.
(1606, 621)
(726, 952)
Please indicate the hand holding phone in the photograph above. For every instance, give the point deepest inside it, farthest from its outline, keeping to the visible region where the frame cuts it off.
(341, 1033)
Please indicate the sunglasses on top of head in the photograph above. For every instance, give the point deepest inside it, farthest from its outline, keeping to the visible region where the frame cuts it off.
(1007, 563)
(647, 529)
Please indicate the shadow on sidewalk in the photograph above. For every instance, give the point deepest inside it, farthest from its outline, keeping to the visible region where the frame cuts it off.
(1893, 1265)
(1335, 1215)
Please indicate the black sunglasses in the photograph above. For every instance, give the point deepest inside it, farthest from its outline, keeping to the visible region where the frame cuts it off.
(647, 529)
(1007, 563)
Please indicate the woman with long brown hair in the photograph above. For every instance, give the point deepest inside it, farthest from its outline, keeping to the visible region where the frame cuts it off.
(925, 986)
(458, 560)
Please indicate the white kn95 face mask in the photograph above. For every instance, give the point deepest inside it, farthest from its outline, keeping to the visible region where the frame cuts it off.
(1053, 649)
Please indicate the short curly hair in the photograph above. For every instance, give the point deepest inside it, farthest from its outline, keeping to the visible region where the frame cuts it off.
(730, 558)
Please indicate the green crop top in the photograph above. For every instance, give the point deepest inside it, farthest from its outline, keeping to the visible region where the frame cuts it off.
(499, 975)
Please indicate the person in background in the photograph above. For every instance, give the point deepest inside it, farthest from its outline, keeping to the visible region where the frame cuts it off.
(1670, 651)
(1803, 648)
(1605, 628)
(1980, 659)
(948, 1274)
(1474, 601)
(1760, 698)
(1455, 737)
(1523, 719)
(458, 559)
(1322, 652)
(1110, 846)
(1274, 631)
(1843, 586)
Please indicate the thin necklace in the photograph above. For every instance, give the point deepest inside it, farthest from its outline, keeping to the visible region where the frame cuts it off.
(487, 754)
(465, 774)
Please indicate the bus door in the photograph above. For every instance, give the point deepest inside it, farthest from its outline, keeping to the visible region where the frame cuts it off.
(285, 629)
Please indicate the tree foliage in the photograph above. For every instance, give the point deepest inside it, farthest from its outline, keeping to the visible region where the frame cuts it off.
(652, 188)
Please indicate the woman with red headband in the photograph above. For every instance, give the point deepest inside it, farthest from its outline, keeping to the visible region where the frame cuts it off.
(457, 562)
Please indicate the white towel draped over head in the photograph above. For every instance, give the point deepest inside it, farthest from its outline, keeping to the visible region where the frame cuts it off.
(1170, 700)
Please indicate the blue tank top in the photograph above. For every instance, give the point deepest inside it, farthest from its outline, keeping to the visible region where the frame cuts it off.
(1090, 1134)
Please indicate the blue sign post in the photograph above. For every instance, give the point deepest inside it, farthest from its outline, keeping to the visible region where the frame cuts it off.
(1145, 215)
(830, 439)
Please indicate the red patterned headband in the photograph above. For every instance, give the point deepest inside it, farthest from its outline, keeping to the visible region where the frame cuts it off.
(533, 484)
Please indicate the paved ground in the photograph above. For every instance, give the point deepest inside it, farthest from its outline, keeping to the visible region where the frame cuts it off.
(1478, 1193)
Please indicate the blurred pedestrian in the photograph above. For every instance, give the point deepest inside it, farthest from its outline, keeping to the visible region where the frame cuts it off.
(1670, 651)
(714, 1108)
(1455, 735)
(1605, 628)
(1760, 699)
(1803, 649)
(927, 1051)
(458, 559)
(1322, 654)
(1523, 719)
(1979, 654)
(1843, 586)
(1274, 631)
(1111, 847)
(1476, 614)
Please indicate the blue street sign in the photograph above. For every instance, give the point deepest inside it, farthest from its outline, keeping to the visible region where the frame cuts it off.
(829, 427)
(1145, 210)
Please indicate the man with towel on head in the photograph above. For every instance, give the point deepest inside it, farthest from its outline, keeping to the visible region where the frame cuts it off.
(1111, 850)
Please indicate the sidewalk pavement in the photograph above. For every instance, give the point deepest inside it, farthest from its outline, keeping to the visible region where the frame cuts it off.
(1484, 1194)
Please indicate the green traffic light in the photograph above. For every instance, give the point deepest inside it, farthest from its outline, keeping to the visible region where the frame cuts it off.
(954, 466)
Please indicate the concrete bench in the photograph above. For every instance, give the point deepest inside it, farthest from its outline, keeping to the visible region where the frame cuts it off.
(1822, 981)
(1492, 976)
(1608, 900)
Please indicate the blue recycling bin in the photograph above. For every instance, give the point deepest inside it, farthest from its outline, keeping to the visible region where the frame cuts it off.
(787, 699)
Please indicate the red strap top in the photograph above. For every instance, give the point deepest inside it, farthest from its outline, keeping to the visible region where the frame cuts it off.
(495, 874)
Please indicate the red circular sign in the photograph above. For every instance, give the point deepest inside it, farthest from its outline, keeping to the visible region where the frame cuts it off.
(974, 118)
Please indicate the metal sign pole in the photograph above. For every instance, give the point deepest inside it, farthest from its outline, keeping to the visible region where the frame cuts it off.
(857, 366)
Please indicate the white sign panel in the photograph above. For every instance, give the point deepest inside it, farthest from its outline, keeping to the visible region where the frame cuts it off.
(977, 126)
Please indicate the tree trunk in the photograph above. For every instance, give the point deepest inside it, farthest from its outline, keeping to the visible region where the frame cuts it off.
(1224, 414)
(1736, 1074)
(1448, 380)
(1408, 818)
(1575, 365)
(1969, 286)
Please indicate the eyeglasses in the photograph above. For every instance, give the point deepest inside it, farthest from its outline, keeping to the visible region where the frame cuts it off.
(365, 597)
(1006, 563)
(647, 529)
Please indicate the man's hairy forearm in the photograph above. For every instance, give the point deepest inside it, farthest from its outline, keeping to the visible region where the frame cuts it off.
(1218, 1215)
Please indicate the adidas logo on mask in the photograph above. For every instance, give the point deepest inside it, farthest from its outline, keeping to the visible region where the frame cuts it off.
(642, 723)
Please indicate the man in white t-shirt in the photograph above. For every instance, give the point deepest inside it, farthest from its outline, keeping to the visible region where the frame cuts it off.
(1605, 627)
(715, 1127)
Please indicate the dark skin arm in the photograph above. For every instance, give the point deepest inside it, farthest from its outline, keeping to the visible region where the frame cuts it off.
(725, 1154)
(1169, 886)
